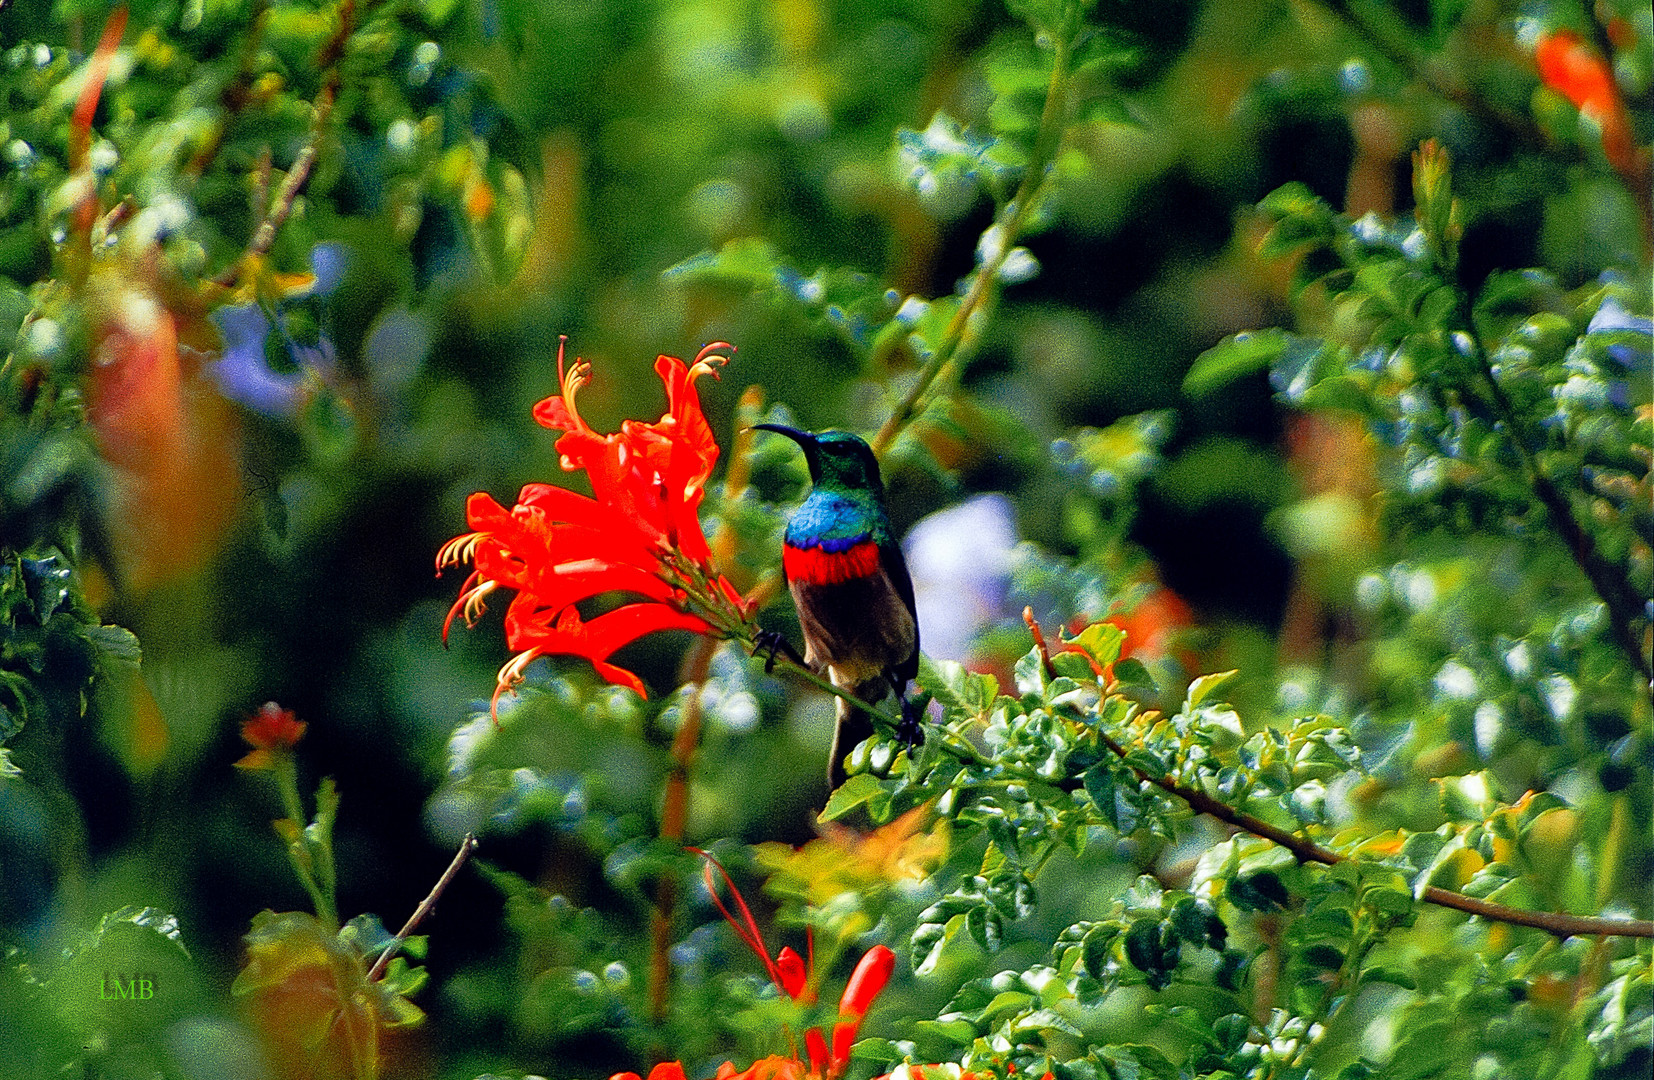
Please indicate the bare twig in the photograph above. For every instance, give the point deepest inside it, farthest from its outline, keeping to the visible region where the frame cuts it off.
(466, 847)
(1307, 850)
(1622, 599)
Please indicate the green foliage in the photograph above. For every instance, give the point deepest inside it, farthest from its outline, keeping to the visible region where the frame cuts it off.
(1350, 809)
(51, 644)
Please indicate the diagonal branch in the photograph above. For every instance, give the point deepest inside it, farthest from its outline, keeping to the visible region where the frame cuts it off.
(466, 847)
(1307, 850)
(298, 175)
(1022, 206)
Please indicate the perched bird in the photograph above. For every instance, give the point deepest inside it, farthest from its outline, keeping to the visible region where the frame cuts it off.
(850, 585)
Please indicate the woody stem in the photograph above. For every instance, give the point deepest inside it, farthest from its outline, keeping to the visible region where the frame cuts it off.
(674, 817)
(825, 684)
(1307, 850)
(466, 847)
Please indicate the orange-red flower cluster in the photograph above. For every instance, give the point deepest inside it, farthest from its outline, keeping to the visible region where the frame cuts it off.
(271, 731)
(793, 976)
(556, 548)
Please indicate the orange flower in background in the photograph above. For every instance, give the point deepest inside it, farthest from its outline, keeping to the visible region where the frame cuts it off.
(639, 533)
(271, 731)
(1569, 65)
(1154, 627)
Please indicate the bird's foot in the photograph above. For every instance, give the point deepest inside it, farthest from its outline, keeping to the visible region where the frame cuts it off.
(776, 644)
(911, 729)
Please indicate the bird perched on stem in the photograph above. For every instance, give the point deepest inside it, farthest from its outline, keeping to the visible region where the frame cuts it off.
(851, 586)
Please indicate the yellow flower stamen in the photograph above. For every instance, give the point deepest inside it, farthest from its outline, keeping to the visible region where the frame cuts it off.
(707, 362)
(510, 675)
(459, 550)
(472, 605)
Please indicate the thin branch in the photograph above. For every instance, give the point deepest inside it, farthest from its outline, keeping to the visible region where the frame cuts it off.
(1623, 601)
(1307, 850)
(1022, 204)
(466, 847)
(804, 672)
(298, 175)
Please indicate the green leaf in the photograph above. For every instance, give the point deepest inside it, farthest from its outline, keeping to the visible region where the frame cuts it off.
(1043, 1020)
(1073, 666)
(1031, 676)
(1340, 393)
(1424, 1050)
(1393, 976)
(851, 794)
(318, 836)
(986, 927)
(1230, 1032)
(1202, 688)
(929, 941)
(1259, 892)
(1391, 902)
(1116, 798)
(751, 261)
(956, 687)
(1132, 672)
(152, 919)
(1100, 642)
(116, 644)
(1235, 357)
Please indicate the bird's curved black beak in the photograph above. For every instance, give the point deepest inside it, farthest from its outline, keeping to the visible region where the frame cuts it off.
(805, 440)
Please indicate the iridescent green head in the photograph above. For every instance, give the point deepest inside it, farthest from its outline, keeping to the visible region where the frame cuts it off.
(837, 459)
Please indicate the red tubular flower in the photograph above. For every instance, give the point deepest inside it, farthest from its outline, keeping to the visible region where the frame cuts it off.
(789, 972)
(792, 975)
(636, 534)
(270, 731)
(666, 1070)
(866, 982)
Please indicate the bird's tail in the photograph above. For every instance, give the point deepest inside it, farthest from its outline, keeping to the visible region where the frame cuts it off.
(853, 726)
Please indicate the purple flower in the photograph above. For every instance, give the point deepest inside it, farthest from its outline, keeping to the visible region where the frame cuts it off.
(960, 559)
(244, 373)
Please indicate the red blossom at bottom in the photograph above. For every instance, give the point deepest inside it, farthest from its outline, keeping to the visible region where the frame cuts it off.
(791, 975)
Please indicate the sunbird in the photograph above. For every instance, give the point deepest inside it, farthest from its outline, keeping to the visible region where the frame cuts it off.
(851, 587)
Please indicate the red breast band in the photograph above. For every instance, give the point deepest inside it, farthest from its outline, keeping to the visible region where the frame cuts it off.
(813, 566)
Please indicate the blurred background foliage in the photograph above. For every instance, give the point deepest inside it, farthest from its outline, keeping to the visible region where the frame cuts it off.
(283, 279)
